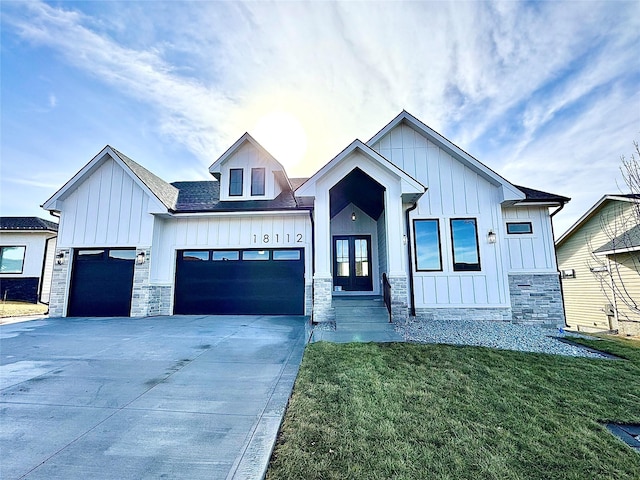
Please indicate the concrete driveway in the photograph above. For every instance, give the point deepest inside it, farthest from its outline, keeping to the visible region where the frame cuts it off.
(163, 397)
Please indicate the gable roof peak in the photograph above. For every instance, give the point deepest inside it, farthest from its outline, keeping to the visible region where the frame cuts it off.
(509, 191)
(215, 168)
(164, 192)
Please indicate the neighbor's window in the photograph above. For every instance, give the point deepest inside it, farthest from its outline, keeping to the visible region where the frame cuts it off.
(518, 228)
(11, 259)
(464, 240)
(427, 241)
(257, 181)
(235, 182)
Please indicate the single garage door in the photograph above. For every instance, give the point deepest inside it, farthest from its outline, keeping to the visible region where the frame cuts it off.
(240, 282)
(101, 282)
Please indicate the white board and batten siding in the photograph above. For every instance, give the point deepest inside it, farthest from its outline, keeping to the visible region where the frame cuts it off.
(454, 191)
(529, 253)
(225, 231)
(108, 209)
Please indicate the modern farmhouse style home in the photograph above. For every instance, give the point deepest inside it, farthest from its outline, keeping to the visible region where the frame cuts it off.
(408, 215)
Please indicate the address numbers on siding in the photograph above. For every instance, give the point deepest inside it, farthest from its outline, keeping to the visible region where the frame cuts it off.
(277, 238)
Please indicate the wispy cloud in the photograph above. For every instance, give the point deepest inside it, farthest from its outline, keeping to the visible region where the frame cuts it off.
(538, 90)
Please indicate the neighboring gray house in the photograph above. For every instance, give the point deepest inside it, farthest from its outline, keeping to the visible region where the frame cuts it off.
(407, 212)
(27, 247)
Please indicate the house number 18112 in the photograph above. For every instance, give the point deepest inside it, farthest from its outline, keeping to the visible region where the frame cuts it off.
(277, 238)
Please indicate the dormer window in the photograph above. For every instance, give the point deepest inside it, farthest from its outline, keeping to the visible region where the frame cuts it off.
(257, 181)
(235, 182)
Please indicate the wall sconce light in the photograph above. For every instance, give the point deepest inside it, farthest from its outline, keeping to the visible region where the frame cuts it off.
(492, 237)
(353, 216)
(141, 257)
(60, 258)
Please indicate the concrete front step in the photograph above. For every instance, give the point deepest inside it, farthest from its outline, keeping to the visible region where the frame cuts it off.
(369, 300)
(361, 312)
(367, 310)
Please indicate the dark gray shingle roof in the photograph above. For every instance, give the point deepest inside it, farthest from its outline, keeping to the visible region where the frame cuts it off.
(204, 196)
(540, 196)
(27, 223)
(165, 192)
(629, 239)
(296, 182)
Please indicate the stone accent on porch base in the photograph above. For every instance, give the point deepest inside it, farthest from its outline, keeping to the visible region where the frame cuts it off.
(308, 299)
(59, 277)
(322, 307)
(537, 299)
(399, 306)
(468, 314)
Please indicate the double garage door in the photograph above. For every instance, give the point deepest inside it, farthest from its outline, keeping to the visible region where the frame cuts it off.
(207, 282)
(240, 282)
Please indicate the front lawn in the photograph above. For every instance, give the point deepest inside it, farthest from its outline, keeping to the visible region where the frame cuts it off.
(407, 411)
(13, 309)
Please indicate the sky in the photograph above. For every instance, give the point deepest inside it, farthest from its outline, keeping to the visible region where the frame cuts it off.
(547, 94)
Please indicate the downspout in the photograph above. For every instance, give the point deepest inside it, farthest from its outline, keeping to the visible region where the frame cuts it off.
(313, 258)
(47, 247)
(555, 253)
(412, 298)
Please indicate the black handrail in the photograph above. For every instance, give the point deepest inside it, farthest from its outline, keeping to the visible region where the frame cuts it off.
(386, 289)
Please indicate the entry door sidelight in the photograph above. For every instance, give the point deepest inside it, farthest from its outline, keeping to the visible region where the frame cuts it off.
(352, 263)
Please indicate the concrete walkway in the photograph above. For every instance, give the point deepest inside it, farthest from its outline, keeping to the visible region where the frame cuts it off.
(166, 397)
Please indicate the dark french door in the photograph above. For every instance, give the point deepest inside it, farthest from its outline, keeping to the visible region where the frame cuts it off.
(352, 263)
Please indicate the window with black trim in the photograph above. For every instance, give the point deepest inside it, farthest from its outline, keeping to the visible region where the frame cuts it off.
(12, 259)
(464, 242)
(519, 228)
(235, 182)
(427, 245)
(257, 181)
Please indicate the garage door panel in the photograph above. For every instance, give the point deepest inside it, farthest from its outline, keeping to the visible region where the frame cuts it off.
(101, 283)
(240, 286)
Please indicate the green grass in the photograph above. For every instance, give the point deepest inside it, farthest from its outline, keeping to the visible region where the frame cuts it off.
(406, 411)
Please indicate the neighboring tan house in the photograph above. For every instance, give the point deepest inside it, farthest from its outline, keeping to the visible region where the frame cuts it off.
(407, 213)
(27, 247)
(599, 259)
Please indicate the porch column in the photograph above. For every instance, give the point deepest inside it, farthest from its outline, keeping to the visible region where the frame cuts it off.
(397, 256)
(322, 278)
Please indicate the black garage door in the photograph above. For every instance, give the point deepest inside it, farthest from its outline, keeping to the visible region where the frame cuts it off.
(101, 283)
(240, 282)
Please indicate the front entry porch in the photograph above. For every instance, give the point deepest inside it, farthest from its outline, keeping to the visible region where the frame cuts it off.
(359, 201)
